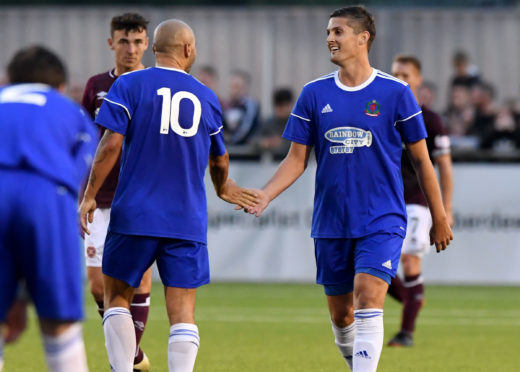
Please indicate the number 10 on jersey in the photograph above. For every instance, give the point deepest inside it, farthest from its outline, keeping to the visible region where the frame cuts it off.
(170, 112)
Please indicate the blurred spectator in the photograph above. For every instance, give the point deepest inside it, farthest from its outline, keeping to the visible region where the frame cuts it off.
(483, 99)
(75, 91)
(241, 113)
(272, 129)
(465, 74)
(504, 135)
(461, 113)
(208, 76)
(426, 94)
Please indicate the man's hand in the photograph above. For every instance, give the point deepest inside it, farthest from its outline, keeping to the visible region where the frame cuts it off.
(262, 202)
(440, 234)
(86, 210)
(243, 198)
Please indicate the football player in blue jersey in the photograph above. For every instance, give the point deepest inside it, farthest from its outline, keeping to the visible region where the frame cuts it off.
(169, 127)
(46, 145)
(356, 118)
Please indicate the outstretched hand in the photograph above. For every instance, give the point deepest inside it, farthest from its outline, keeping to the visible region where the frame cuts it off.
(234, 194)
(441, 235)
(86, 210)
(262, 203)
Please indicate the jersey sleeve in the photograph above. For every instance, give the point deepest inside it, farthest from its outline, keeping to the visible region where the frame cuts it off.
(299, 126)
(116, 110)
(409, 120)
(441, 141)
(215, 126)
(88, 99)
(85, 143)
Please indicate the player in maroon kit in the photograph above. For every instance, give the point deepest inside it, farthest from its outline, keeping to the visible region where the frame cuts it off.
(129, 40)
(417, 242)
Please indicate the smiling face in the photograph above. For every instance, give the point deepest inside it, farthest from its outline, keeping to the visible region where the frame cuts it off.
(344, 42)
(128, 48)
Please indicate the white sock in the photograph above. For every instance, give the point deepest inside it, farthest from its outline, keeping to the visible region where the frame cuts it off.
(368, 342)
(66, 352)
(119, 338)
(183, 345)
(344, 339)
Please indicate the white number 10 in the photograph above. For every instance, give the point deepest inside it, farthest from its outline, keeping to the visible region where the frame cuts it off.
(170, 112)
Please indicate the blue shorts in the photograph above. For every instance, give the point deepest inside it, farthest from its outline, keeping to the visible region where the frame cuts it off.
(339, 260)
(181, 263)
(39, 243)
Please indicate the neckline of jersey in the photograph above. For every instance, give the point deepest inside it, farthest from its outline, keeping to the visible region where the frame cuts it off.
(358, 87)
(172, 69)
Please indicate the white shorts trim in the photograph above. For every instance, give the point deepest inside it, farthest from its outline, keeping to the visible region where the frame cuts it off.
(417, 240)
(95, 242)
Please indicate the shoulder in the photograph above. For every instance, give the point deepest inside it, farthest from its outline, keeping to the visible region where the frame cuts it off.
(389, 81)
(101, 78)
(322, 80)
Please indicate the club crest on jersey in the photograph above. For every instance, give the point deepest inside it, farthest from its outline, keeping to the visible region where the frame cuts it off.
(349, 137)
(373, 108)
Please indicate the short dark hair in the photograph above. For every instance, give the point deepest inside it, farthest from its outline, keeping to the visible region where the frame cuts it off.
(36, 64)
(414, 61)
(363, 20)
(282, 96)
(128, 22)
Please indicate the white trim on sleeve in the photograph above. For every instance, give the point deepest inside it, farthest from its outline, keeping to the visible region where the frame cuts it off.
(408, 118)
(217, 132)
(123, 106)
(299, 117)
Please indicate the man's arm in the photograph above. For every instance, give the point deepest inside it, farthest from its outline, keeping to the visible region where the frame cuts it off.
(106, 156)
(225, 187)
(446, 181)
(440, 234)
(290, 169)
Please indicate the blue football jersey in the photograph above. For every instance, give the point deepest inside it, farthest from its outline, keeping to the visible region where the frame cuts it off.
(171, 123)
(357, 134)
(44, 132)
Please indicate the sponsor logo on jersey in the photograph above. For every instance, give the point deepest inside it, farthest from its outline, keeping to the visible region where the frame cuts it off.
(326, 109)
(373, 108)
(349, 137)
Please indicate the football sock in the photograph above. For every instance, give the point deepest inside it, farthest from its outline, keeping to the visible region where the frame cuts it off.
(139, 309)
(396, 289)
(413, 302)
(183, 345)
(344, 339)
(369, 339)
(100, 308)
(119, 338)
(66, 352)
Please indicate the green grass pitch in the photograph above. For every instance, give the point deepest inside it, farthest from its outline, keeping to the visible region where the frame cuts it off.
(285, 327)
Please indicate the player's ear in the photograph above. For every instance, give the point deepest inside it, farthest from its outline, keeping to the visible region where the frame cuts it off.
(146, 41)
(363, 38)
(110, 43)
(187, 50)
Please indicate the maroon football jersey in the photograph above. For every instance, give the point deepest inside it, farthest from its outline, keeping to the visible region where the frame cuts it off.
(96, 89)
(438, 143)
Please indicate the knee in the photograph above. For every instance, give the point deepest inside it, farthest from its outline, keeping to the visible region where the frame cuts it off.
(96, 288)
(342, 318)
